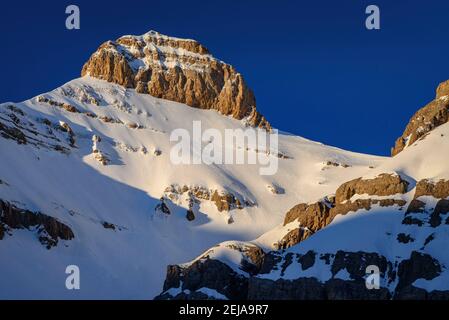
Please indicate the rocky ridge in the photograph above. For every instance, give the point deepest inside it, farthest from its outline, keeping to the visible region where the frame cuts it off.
(425, 119)
(48, 229)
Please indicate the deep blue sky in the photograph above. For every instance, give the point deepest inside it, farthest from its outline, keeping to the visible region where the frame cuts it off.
(316, 71)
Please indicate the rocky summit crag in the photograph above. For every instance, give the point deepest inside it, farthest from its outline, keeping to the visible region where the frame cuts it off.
(178, 70)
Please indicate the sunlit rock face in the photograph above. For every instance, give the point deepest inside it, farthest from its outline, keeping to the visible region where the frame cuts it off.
(175, 69)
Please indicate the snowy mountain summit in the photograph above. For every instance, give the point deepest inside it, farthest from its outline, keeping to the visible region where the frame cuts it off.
(86, 180)
(175, 69)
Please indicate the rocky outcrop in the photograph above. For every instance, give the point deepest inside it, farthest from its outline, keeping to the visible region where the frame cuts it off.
(309, 288)
(175, 69)
(418, 266)
(418, 214)
(313, 217)
(438, 189)
(425, 119)
(10, 132)
(24, 129)
(162, 207)
(97, 151)
(396, 279)
(62, 105)
(293, 237)
(224, 200)
(383, 185)
(49, 230)
(209, 272)
(268, 275)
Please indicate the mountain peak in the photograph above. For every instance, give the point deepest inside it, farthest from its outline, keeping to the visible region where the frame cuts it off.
(175, 69)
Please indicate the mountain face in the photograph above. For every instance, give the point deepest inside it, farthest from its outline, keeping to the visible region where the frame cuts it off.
(394, 217)
(86, 179)
(175, 69)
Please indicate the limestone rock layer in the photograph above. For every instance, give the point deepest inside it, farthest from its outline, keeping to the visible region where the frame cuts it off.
(175, 69)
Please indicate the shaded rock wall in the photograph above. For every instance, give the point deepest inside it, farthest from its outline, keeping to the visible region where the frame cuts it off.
(49, 229)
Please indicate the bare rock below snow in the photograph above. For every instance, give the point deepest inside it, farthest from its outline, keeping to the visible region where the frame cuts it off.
(223, 200)
(108, 225)
(22, 128)
(162, 207)
(439, 189)
(383, 185)
(418, 214)
(404, 274)
(366, 204)
(12, 132)
(175, 69)
(312, 216)
(309, 288)
(404, 238)
(253, 257)
(425, 119)
(209, 272)
(49, 230)
(416, 206)
(190, 216)
(293, 237)
(315, 216)
(398, 275)
(418, 266)
(441, 208)
(206, 273)
(97, 151)
(71, 135)
(62, 105)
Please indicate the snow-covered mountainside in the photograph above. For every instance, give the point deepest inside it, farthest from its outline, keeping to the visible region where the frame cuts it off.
(86, 179)
(394, 216)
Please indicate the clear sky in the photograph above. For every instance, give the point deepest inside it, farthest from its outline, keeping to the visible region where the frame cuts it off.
(315, 69)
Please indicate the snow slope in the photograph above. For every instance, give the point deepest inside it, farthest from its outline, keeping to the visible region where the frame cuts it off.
(374, 231)
(76, 189)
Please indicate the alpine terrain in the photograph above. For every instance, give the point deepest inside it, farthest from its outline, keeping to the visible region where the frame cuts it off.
(86, 179)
